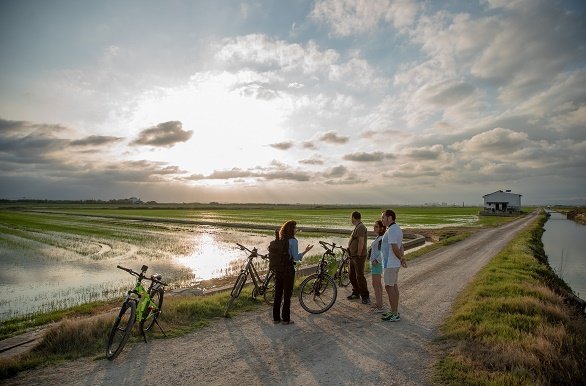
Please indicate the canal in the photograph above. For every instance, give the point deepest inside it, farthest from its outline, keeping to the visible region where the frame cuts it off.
(564, 242)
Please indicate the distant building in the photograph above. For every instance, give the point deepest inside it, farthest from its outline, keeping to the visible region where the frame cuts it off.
(500, 202)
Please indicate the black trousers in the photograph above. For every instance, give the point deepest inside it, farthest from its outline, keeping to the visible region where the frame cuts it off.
(359, 285)
(283, 291)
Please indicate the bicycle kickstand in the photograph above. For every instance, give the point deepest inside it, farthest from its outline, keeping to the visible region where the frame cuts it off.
(161, 328)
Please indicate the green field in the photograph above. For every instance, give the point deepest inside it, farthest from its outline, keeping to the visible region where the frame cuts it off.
(318, 216)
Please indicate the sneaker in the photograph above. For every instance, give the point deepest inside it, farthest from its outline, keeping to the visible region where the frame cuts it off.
(353, 297)
(389, 312)
(391, 317)
(377, 310)
(366, 301)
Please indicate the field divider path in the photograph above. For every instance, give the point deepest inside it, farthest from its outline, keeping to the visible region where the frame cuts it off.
(345, 345)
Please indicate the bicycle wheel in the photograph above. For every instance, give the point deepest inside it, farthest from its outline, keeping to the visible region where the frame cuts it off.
(153, 310)
(270, 289)
(344, 274)
(235, 291)
(121, 329)
(317, 293)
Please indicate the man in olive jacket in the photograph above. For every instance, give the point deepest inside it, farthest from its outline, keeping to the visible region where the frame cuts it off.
(357, 250)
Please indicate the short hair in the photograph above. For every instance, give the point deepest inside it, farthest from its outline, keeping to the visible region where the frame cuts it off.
(356, 215)
(391, 213)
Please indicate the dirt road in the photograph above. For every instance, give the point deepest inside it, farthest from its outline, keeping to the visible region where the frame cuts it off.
(346, 345)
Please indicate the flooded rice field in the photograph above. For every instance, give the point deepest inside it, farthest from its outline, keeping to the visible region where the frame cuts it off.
(51, 261)
(58, 261)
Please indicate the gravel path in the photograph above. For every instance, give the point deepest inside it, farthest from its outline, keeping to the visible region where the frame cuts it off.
(346, 345)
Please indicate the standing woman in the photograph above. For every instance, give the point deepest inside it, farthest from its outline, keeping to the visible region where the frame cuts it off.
(376, 266)
(284, 280)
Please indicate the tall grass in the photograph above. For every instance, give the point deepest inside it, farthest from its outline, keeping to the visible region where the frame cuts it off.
(510, 327)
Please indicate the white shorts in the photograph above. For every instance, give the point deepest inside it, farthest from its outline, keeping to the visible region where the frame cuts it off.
(391, 276)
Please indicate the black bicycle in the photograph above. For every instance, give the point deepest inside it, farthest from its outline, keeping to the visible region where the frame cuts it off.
(318, 292)
(141, 305)
(342, 274)
(262, 286)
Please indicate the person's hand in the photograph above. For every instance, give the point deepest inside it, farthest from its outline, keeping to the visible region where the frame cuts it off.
(403, 262)
(308, 247)
(375, 262)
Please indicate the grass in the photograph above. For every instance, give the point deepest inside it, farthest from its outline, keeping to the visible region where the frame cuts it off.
(76, 337)
(511, 327)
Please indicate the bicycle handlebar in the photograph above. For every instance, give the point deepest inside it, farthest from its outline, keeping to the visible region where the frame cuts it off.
(331, 246)
(253, 252)
(141, 275)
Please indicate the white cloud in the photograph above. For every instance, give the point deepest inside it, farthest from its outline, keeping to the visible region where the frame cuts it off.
(349, 17)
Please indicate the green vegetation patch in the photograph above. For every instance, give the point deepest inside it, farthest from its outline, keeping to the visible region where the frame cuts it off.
(510, 327)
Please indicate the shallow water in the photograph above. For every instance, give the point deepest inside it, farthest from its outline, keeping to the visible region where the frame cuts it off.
(43, 276)
(564, 242)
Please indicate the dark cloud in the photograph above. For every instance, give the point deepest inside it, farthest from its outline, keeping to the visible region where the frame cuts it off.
(376, 156)
(282, 145)
(29, 143)
(332, 137)
(336, 171)
(312, 161)
(286, 175)
(309, 145)
(424, 153)
(96, 140)
(165, 134)
(228, 174)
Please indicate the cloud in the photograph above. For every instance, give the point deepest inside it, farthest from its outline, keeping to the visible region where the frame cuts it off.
(282, 145)
(376, 156)
(497, 141)
(309, 145)
(333, 137)
(337, 171)
(96, 140)
(165, 134)
(351, 17)
(316, 160)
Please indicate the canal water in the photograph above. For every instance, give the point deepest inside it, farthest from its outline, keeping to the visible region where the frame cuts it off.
(564, 242)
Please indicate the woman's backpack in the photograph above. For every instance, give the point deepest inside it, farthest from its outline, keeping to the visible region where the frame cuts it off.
(279, 257)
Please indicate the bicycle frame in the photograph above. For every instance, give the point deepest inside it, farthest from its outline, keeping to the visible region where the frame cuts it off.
(138, 306)
(250, 269)
(261, 286)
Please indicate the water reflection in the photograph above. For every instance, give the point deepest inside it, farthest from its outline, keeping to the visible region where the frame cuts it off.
(215, 253)
(564, 242)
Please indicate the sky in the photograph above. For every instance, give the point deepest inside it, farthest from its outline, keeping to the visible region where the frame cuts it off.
(319, 102)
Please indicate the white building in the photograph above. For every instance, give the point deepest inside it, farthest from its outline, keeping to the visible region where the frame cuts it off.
(502, 202)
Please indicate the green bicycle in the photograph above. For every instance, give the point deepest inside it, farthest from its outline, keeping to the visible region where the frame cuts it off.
(141, 305)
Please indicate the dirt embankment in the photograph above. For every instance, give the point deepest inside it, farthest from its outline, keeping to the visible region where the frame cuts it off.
(578, 215)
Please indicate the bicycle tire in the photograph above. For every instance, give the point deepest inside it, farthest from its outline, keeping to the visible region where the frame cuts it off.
(344, 274)
(121, 329)
(235, 291)
(152, 313)
(269, 294)
(317, 293)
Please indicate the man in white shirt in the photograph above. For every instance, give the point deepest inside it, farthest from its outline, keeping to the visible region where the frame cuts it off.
(392, 251)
